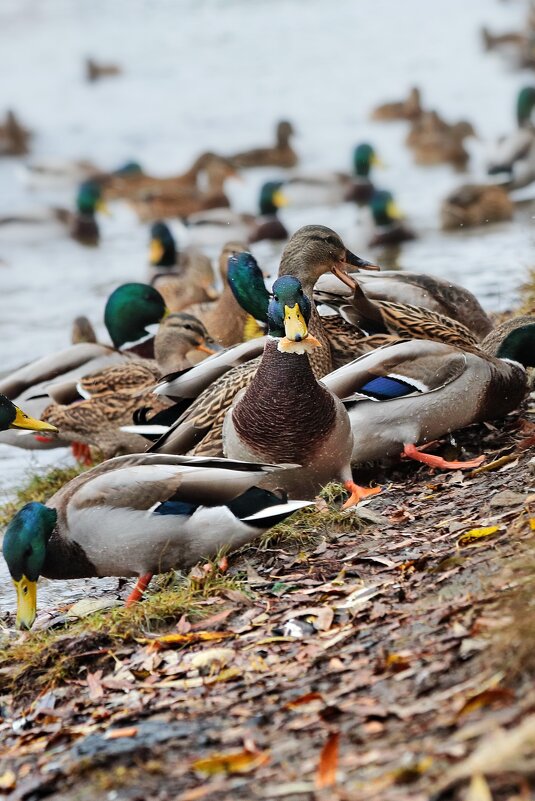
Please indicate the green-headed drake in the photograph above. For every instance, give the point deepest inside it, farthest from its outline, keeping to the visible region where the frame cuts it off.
(362, 188)
(285, 414)
(513, 161)
(388, 221)
(137, 516)
(82, 223)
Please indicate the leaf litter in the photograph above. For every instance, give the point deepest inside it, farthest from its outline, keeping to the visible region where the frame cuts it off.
(377, 656)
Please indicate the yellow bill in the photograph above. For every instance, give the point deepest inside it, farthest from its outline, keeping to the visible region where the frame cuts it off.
(102, 208)
(23, 420)
(26, 602)
(156, 251)
(297, 339)
(393, 211)
(377, 162)
(279, 199)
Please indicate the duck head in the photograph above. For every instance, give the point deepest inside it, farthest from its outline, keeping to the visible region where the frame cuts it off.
(271, 198)
(364, 158)
(247, 284)
(25, 545)
(13, 417)
(130, 309)
(288, 316)
(384, 208)
(89, 198)
(285, 131)
(162, 249)
(525, 103)
(181, 338)
(314, 250)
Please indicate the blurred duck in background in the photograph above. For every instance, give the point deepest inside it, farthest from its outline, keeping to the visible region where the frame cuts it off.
(512, 162)
(408, 109)
(280, 155)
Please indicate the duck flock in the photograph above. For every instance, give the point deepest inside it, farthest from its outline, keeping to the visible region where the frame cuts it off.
(211, 416)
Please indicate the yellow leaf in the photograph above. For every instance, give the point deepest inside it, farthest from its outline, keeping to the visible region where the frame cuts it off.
(170, 640)
(8, 781)
(532, 523)
(477, 533)
(233, 762)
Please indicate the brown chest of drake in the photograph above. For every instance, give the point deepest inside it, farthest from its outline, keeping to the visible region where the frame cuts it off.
(285, 414)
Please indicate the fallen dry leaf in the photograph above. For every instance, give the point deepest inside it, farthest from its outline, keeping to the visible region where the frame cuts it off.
(170, 640)
(478, 789)
(304, 700)
(116, 734)
(326, 773)
(8, 781)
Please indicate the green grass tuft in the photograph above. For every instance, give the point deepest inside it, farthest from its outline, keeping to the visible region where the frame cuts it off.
(39, 487)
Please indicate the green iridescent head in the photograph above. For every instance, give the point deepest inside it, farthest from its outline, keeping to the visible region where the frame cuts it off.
(364, 158)
(89, 198)
(162, 251)
(289, 310)
(269, 202)
(25, 545)
(519, 345)
(384, 209)
(525, 103)
(130, 309)
(247, 284)
(13, 417)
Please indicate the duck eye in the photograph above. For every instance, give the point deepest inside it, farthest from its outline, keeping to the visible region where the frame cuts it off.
(187, 326)
(276, 297)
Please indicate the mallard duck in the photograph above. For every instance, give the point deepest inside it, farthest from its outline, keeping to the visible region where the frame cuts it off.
(193, 283)
(94, 70)
(475, 204)
(82, 224)
(280, 155)
(312, 251)
(388, 220)
(13, 417)
(152, 204)
(434, 141)
(134, 182)
(227, 321)
(285, 412)
(129, 310)
(14, 137)
(112, 396)
(137, 516)
(513, 160)
(407, 109)
(491, 41)
(163, 252)
(213, 227)
(415, 289)
(415, 392)
(362, 189)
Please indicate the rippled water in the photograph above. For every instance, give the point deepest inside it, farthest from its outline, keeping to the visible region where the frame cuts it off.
(217, 74)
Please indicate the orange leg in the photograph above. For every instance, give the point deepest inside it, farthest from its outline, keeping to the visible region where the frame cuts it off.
(82, 453)
(412, 452)
(358, 493)
(137, 593)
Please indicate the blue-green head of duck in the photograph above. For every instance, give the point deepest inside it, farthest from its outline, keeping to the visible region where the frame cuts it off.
(246, 281)
(89, 198)
(25, 545)
(130, 309)
(384, 208)
(518, 344)
(128, 170)
(289, 313)
(271, 198)
(162, 250)
(364, 158)
(525, 103)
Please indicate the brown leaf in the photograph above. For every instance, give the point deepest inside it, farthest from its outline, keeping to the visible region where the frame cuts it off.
(233, 762)
(326, 773)
(303, 700)
(492, 695)
(95, 687)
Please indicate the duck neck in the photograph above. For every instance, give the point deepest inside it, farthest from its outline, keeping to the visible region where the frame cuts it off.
(284, 411)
